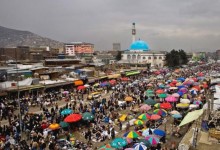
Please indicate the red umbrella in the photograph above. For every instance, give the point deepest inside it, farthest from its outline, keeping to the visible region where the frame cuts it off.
(125, 79)
(44, 125)
(81, 87)
(155, 117)
(200, 74)
(205, 86)
(172, 85)
(160, 91)
(165, 106)
(112, 82)
(73, 118)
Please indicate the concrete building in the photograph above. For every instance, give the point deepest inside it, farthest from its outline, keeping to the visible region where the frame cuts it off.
(116, 46)
(78, 48)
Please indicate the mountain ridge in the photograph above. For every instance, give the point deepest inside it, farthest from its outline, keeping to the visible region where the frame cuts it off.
(13, 38)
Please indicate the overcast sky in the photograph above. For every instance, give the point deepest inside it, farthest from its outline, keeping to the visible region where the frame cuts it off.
(163, 24)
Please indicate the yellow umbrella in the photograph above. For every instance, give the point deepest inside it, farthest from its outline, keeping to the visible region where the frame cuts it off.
(54, 126)
(96, 84)
(182, 105)
(128, 99)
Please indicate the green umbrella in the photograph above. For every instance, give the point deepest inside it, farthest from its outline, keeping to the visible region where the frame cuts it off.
(146, 142)
(163, 95)
(118, 143)
(150, 102)
(149, 91)
(87, 116)
(150, 95)
(66, 112)
(63, 124)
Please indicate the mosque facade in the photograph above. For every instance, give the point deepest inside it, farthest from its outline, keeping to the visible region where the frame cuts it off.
(140, 53)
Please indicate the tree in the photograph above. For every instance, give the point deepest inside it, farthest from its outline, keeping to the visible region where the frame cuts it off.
(118, 56)
(176, 58)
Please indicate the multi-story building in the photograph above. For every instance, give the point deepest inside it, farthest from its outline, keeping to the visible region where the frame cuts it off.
(78, 48)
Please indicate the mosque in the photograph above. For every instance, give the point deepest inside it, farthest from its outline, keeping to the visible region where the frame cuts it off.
(140, 53)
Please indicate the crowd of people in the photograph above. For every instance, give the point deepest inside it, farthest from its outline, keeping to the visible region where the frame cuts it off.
(106, 124)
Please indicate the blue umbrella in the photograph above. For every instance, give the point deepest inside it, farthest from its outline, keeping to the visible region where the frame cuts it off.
(181, 86)
(118, 143)
(180, 93)
(66, 112)
(177, 116)
(159, 132)
(104, 84)
(181, 79)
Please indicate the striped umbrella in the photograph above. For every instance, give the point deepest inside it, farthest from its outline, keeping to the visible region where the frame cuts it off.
(197, 102)
(131, 134)
(157, 105)
(138, 122)
(144, 116)
(160, 112)
(139, 146)
(154, 140)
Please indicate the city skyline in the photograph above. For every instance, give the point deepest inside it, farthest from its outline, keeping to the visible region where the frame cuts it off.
(164, 25)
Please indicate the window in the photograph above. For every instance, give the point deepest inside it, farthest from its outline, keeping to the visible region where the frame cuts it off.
(129, 57)
(160, 57)
(133, 56)
(149, 57)
(143, 57)
(138, 57)
(155, 57)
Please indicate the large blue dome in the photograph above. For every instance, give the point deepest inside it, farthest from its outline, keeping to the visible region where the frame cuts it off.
(139, 45)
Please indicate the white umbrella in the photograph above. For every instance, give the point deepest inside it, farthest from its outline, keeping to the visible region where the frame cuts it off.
(185, 101)
(87, 85)
(193, 106)
(174, 112)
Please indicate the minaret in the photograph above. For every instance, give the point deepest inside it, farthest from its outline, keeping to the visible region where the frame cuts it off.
(133, 32)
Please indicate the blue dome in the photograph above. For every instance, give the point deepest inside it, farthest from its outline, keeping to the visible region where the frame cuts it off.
(139, 45)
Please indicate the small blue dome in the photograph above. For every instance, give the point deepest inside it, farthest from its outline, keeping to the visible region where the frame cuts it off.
(139, 45)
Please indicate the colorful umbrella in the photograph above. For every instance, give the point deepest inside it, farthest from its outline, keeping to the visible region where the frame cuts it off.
(171, 99)
(155, 117)
(73, 118)
(81, 87)
(104, 84)
(157, 105)
(106, 147)
(128, 99)
(131, 135)
(150, 95)
(44, 125)
(173, 88)
(145, 107)
(87, 116)
(64, 124)
(197, 102)
(177, 116)
(118, 143)
(66, 112)
(150, 102)
(159, 132)
(129, 140)
(96, 84)
(144, 116)
(139, 146)
(54, 126)
(193, 106)
(138, 122)
(152, 139)
(112, 82)
(183, 90)
(165, 106)
(163, 95)
(160, 112)
(182, 105)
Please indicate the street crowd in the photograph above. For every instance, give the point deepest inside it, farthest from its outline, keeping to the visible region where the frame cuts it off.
(105, 112)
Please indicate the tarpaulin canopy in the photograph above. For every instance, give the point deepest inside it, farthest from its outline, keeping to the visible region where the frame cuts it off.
(191, 116)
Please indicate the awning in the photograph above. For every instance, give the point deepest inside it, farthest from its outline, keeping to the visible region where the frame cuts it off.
(3, 93)
(78, 82)
(130, 73)
(103, 77)
(114, 76)
(191, 116)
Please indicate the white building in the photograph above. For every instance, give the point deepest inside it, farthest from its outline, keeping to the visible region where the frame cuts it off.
(140, 53)
(70, 49)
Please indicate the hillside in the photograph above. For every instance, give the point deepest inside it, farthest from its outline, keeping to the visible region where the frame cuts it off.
(13, 38)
